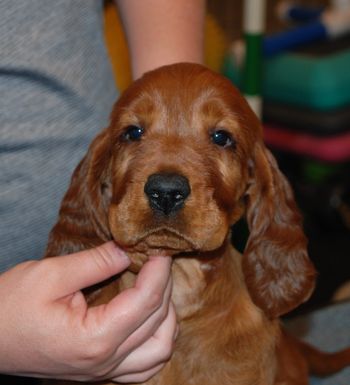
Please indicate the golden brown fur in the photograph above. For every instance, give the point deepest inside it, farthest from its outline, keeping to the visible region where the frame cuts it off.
(227, 304)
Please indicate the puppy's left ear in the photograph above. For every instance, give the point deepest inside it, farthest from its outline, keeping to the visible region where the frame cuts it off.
(277, 269)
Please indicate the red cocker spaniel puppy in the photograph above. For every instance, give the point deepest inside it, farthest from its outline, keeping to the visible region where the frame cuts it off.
(182, 160)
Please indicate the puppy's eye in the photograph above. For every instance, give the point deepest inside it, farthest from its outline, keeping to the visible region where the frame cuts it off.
(222, 138)
(133, 133)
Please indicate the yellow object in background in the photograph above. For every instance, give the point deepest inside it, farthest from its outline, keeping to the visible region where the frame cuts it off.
(117, 47)
(216, 44)
(214, 50)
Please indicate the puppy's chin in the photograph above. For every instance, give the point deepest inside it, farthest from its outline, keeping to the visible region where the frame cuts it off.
(161, 243)
(166, 244)
(138, 259)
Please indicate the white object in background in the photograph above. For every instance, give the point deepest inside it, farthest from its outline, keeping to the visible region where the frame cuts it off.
(337, 22)
(253, 28)
(340, 4)
(254, 16)
(255, 103)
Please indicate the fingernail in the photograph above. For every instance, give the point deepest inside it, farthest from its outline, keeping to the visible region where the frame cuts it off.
(116, 250)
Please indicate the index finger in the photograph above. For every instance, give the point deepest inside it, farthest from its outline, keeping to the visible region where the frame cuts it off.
(132, 307)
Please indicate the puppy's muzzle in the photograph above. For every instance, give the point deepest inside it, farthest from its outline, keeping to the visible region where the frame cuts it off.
(166, 193)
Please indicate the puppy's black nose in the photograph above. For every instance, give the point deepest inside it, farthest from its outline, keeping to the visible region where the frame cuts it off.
(167, 193)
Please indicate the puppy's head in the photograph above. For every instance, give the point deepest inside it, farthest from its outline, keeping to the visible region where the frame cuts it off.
(182, 160)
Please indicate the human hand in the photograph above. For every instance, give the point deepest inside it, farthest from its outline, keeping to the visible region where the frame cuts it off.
(47, 330)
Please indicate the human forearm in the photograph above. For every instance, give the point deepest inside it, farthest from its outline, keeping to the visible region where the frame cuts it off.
(161, 32)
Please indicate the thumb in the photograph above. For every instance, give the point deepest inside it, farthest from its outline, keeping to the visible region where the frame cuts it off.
(85, 268)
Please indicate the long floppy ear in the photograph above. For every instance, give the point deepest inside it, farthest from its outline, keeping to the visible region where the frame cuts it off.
(278, 272)
(83, 220)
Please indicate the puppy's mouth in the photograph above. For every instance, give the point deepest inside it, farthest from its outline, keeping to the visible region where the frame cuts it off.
(166, 240)
(158, 242)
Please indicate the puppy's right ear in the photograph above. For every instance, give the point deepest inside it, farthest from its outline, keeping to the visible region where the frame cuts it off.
(83, 216)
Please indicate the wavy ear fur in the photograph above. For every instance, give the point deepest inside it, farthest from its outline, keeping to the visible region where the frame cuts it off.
(278, 272)
(83, 221)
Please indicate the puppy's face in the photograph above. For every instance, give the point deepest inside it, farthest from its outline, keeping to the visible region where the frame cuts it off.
(181, 140)
(181, 161)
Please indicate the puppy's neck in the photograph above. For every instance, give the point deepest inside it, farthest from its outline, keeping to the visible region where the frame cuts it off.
(207, 280)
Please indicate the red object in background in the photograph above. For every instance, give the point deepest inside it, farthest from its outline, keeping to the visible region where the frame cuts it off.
(329, 149)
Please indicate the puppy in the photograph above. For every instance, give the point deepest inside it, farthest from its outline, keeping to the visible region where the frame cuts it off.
(182, 160)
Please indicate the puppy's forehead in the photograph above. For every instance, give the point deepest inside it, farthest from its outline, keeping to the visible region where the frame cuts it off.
(181, 88)
(187, 88)
(183, 105)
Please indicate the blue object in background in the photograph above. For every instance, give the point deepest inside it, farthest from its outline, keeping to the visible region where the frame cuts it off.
(301, 13)
(293, 38)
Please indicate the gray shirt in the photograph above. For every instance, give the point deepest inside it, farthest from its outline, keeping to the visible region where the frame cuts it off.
(56, 93)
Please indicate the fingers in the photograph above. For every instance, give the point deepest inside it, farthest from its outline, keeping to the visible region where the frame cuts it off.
(135, 315)
(88, 267)
(151, 356)
(138, 325)
(131, 308)
(134, 332)
(150, 326)
(156, 349)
